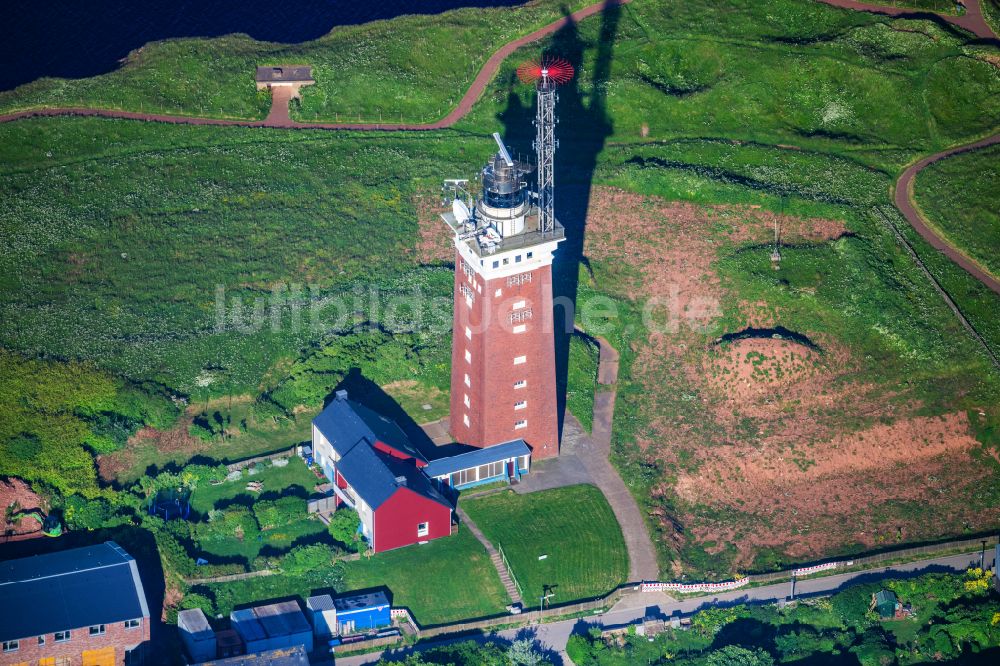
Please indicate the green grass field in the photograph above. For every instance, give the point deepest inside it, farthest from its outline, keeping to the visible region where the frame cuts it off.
(574, 527)
(581, 380)
(960, 197)
(423, 64)
(291, 479)
(445, 580)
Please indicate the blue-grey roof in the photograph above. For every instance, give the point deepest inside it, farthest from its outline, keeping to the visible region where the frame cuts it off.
(365, 470)
(483, 456)
(355, 602)
(283, 618)
(415, 479)
(375, 477)
(345, 423)
(70, 589)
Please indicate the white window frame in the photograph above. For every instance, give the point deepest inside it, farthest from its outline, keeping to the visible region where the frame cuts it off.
(520, 383)
(465, 420)
(520, 328)
(468, 333)
(466, 401)
(523, 423)
(468, 356)
(423, 529)
(98, 629)
(41, 639)
(133, 624)
(468, 381)
(520, 360)
(521, 404)
(66, 636)
(499, 292)
(11, 646)
(519, 304)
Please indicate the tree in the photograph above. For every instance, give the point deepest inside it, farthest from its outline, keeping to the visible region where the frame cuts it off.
(734, 655)
(344, 526)
(523, 653)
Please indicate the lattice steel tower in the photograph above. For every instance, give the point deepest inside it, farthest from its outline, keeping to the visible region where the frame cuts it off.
(546, 75)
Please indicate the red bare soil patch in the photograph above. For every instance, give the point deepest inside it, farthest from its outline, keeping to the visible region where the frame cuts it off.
(17, 491)
(767, 443)
(177, 439)
(817, 498)
(434, 240)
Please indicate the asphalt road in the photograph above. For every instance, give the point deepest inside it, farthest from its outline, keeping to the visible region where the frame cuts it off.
(553, 636)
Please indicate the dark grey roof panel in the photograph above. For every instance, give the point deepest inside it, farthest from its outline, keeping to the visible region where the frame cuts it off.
(70, 589)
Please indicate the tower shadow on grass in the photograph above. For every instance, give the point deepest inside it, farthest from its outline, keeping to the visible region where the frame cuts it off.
(583, 129)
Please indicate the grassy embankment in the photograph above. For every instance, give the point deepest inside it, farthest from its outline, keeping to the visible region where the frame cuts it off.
(416, 67)
(572, 528)
(581, 379)
(960, 197)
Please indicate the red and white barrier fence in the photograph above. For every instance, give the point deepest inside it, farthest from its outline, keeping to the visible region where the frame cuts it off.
(655, 586)
(826, 566)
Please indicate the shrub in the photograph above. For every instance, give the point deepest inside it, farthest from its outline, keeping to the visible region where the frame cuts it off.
(195, 600)
(272, 513)
(306, 559)
(81, 513)
(235, 522)
(343, 528)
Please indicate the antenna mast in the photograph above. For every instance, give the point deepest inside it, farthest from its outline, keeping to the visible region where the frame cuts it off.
(547, 75)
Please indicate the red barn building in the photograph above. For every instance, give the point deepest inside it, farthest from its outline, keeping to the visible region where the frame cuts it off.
(376, 470)
(503, 381)
(79, 607)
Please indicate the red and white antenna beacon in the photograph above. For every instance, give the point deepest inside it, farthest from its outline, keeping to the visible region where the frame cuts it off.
(547, 74)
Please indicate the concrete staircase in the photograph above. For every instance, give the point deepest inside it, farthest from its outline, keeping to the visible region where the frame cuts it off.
(508, 582)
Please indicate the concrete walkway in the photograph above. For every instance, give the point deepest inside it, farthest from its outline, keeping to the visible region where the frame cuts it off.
(595, 452)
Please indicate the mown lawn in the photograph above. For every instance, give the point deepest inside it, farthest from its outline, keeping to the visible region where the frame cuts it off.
(960, 197)
(445, 580)
(294, 478)
(574, 527)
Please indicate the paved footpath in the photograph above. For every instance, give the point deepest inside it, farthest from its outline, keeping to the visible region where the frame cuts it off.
(583, 458)
(595, 452)
(904, 202)
(554, 635)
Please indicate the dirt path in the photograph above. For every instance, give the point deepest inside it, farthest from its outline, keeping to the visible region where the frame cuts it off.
(903, 198)
(279, 118)
(972, 20)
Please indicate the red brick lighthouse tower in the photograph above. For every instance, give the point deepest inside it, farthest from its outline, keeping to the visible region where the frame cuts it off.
(503, 380)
